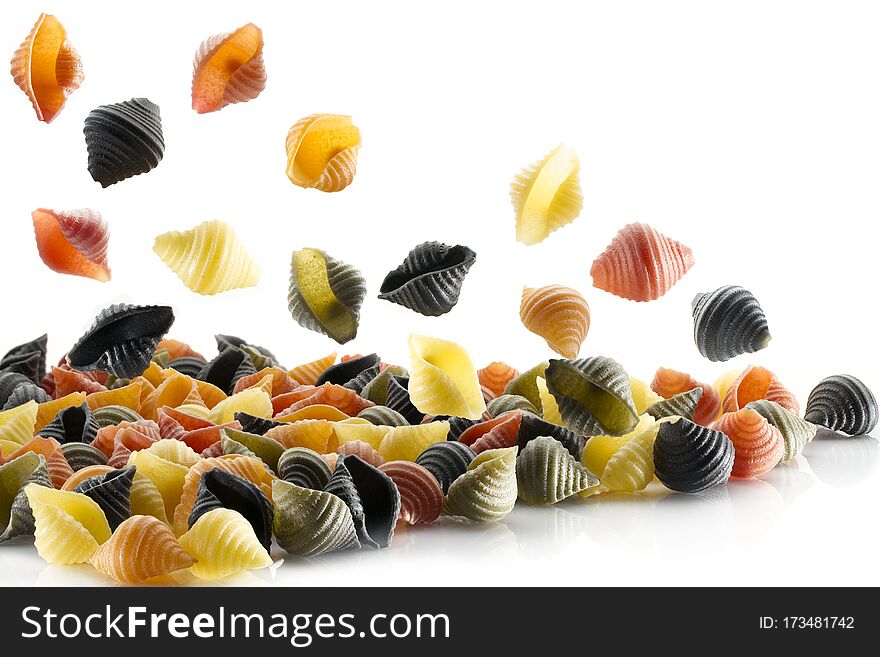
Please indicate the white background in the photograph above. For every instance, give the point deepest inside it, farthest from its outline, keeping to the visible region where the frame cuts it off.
(747, 130)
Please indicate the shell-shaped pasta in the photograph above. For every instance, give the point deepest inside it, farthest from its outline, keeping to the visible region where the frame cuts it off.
(68, 381)
(842, 403)
(729, 322)
(82, 455)
(371, 496)
(495, 376)
(593, 395)
(430, 278)
(47, 411)
(47, 68)
(73, 242)
(16, 518)
(309, 523)
(69, 526)
(112, 492)
(187, 365)
(642, 395)
(266, 449)
(325, 294)
(75, 424)
(253, 401)
(59, 469)
(133, 435)
(689, 458)
(146, 499)
(167, 477)
(684, 404)
(668, 383)
(318, 435)
(546, 473)
(532, 426)
(631, 468)
(322, 152)
(525, 385)
(407, 443)
(28, 359)
(17, 424)
(487, 491)
(756, 383)
(547, 195)
(141, 548)
(121, 340)
(228, 68)
(224, 368)
(24, 393)
(796, 433)
(328, 394)
(421, 497)
(758, 445)
(368, 433)
(548, 403)
(308, 373)
(255, 425)
(123, 140)
(230, 446)
(175, 451)
(223, 543)
(598, 450)
(447, 461)
(641, 264)
(364, 451)
(221, 489)
(208, 259)
(304, 467)
(86, 473)
(558, 314)
(506, 403)
(496, 433)
(398, 398)
(353, 373)
(383, 416)
(443, 380)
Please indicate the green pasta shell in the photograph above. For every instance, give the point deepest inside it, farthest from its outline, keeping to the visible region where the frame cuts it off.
(383, 416)
(82, 455)
(796, 432)
(304, 467)
(546, 473)
(109, 416)
(593, 395)
(266, 449)
(310, 522)
(684, 404)
(16, 518)
(524, 385)
(487, 491)
(506, 403)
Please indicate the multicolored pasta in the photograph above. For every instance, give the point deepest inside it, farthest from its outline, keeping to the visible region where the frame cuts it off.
(524, 385)
(684, 404)
(111, 492)
(729, 322)
(756, 383)
(443, 380)
(221, 489)
(74, 424)
(16, 518)
(546, 473)
(796, 433)
(631, 468)
(407, 443)
(758, 445)
(383, 416)
(558, 314)
(17, 424)
(668, 383)
(506, 403)
(421, 496)
(69, 526)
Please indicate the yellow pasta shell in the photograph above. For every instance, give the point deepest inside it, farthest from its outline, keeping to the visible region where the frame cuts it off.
(322, 152)
(558, 314)
(69, 526)
(142, 547)
(407, 443)
(224, 543)
(17, 424)
(443, 380)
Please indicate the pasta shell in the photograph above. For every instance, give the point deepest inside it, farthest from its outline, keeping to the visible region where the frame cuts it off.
(796, 433)
(208, 259)
(631, 468)
(598, 450)
(322, 152)
(15, 511)
(17, 424)
(668, 383)
(304, 467)
(548, 403)
(85, 473)
(122, 339)
(407, 443)
(758, 445)
(593, 395)
(506, 403)
(309, 523)
(73, 242)
(729, 322)
(220, 489)
(47, 68)
(81, 455)
(255, 425)
(325, 294)
(9, 383)
(48, 448)
(842, 403)
(188, 365)
(223, 543)
(364, 451)
(443, 380)
(642, 395)
(222, 370)
(266, 449)
(457, 425)
(228, 68)
(68, 381)
(141, 548)
(546, 473)
(493, 434)
(69, 526)
(547, 195)
(112, 492)
(430, 279)
(308, 373)
(525, 385)
(487, 491)
(421, 497)
(689, 458)
(254, 401)
(684, 404)
(146, 499)
(447, 461)
(382, 415)
(558, 314)
(641, 264)
(175, 451)
(24, 393)
(398, 399)
(167, 477)
(28, 358)
(123, 140)
(495, 376)
(531, 427)
(367, 433)
(756, 383)
(370, 495)
(75, 424)
(353, 373)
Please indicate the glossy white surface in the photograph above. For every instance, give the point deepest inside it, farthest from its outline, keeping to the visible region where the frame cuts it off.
(749, 131)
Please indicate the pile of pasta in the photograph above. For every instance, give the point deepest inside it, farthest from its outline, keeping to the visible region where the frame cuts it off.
(141, 457)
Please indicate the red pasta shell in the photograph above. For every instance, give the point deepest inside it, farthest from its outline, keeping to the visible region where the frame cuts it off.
(73, 242)
(421, 496)
(496, 375)
(493, 434)
(758, 383)
(668, 382)
(758, 445)
(364, 451)
(330, 394)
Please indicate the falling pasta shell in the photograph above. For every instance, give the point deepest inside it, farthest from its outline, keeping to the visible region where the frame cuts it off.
(208, 259)
(729, 322)
(593, 395)
(689, 458)
(47, 68)
(756, 383)
(121, 340)
(684, 404)
(558, 314)
(641, 264)
(430, 278)
(758, 445)
(309, 523)
(73, 242)
(487, 491)
(325, 294)
(496, 375)
(842, 403)
(123, 140)
(443, 380)
(546, 473)
(421, 497)
(547, 195)
(15, 475)
(796, 433)
(322, 152)
(228, 68)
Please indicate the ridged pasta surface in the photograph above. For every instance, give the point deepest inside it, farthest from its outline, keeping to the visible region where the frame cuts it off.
(558, 314)
(309, 523)
(758, 445)
(123, 140)
(322, 152)
(141, 548)
(228, 68)
(73, 242)
(843, 403)
(729, 322)
(546, 473)
(689, 458)
(487, 491)
(443, 380)
(223, 543)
